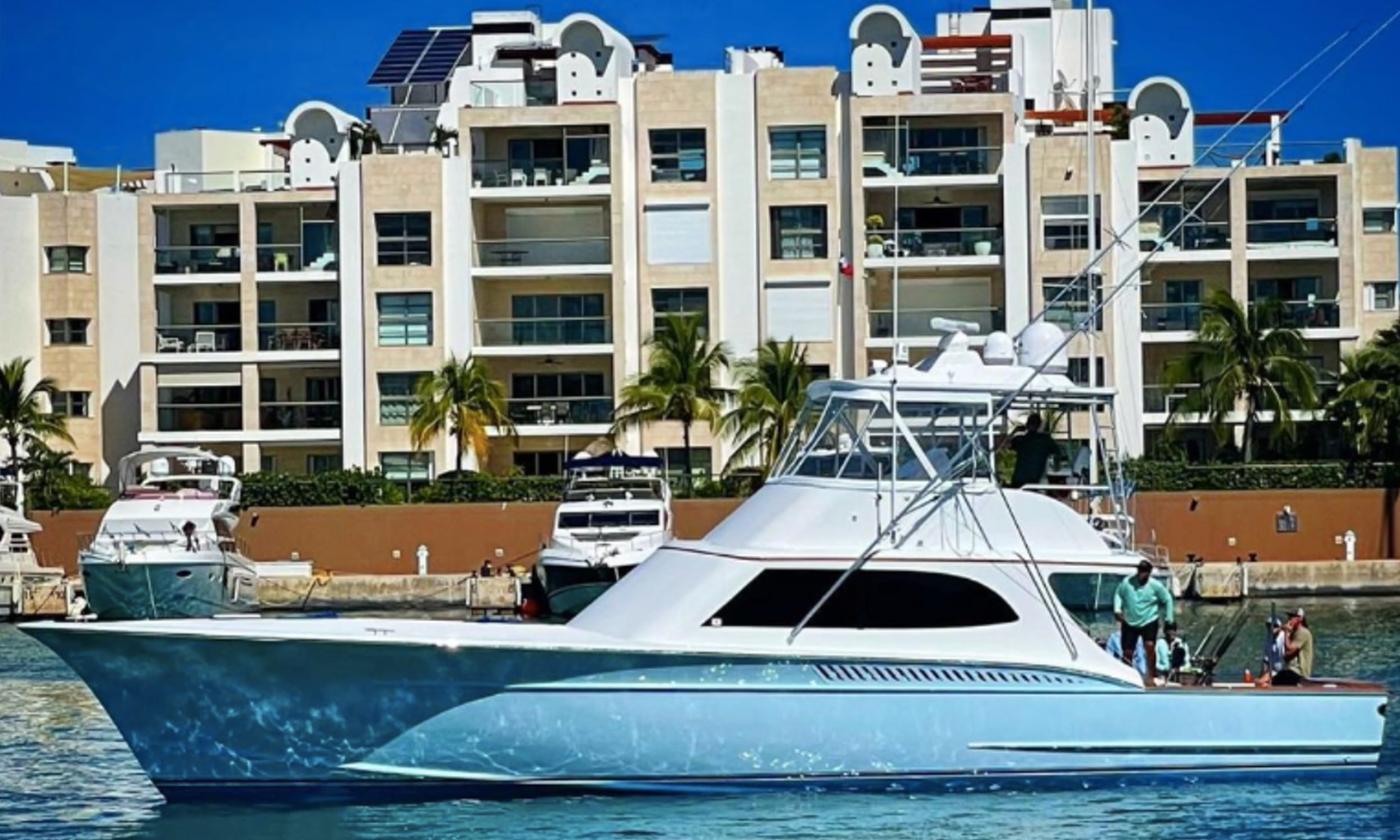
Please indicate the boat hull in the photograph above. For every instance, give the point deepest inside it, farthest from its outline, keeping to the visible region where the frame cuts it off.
(219, 717)
(196, 585)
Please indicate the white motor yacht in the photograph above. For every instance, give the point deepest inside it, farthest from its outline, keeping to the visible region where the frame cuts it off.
(165, 548)
(20, 571)
(615, 513)
(876, 616)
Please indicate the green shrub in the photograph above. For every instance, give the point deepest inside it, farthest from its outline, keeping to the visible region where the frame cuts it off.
(66, 492)
(344, 487)
(1153, 475)
(484, 487)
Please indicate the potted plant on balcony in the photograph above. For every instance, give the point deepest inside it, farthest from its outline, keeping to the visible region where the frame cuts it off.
(982, 247)
(874, 241)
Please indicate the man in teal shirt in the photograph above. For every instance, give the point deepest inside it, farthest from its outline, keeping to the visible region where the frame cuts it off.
(1139, 603)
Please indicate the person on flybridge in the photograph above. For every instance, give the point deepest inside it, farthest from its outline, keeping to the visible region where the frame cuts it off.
(1034, 448)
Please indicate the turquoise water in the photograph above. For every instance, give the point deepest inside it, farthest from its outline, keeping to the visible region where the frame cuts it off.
(65, 773)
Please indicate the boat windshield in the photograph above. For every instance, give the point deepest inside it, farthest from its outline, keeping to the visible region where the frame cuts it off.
(588, 489)
(854, 437)
(588, 519)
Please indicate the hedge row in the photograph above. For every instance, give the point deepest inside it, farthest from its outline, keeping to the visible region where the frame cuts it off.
(356, 487)
(1319, 475)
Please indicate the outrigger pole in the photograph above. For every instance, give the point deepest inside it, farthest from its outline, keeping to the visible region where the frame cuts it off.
(1095, 309)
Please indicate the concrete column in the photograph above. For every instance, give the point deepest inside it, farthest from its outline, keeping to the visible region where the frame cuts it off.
(350, 222)
(248, 279)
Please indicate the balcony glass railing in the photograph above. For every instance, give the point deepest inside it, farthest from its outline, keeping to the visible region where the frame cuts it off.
(1316, 313)
(886, 155)
(553, 411)
(540, 172)
(201, 417)
(915, 323)
(241, 180)
(1192, 236)
(1290, 233)
(307, 335)
(587, 250)
(1171, 317)
(1162, 399)
(295, 257)
(517, 332)
(199, 338)
(197, 259)
(937, 242)
(299, 415)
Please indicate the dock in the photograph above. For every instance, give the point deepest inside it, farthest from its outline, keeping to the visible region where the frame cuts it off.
(1232, 581)
(495, 595)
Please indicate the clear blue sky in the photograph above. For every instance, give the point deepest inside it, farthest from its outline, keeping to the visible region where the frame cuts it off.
(103, 77)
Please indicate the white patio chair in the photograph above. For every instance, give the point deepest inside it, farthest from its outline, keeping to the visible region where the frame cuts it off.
(169, 344)
(203, 342)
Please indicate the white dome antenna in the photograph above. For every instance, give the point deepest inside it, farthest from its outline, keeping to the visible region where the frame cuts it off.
(1000, 349)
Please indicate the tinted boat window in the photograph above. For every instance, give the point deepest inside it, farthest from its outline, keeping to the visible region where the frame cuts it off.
(610, 519)
(869, 600)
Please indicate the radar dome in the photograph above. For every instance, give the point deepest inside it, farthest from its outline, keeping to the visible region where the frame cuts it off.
(1000, 349)
(1043, 343)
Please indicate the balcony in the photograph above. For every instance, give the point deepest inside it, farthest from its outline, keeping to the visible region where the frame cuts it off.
(294, 336)
(194, 259)
(1171, 317)
(914, 324)
(198, 338)
(538, 173)
(535, 332)
(288, 415)
(560, 411)
(1292, 234)
(888, 153)
(1311, 314)
(1162, 399)
(1189, 238)
(577, 254)
(232, 180)
(294, 257)
(934, 243)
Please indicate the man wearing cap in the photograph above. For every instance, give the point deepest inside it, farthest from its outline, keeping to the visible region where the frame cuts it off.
(1298, 652)
(1139, 603)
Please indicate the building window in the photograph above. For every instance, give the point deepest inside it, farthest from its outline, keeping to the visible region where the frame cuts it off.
(80, 469)
(1068, 301)
(797, 154)
(539, 463)
(397, 397)
(690, 301)
(869, 600)
(799, 233)
(1381, 297)
(406, 320)
(268, 464)
(1079, 371)
(817, 372)
(199, 408)
(67, 259)
(557, 398)
(1065, 221)
(677, 154)
(406, 466)
(404, 238)
(68, 330)
(72, 403)
(322, 463)
(1378, 219)
(673, 460)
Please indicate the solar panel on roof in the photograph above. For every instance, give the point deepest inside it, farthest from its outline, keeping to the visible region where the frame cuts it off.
(402, 57)
(441, 56)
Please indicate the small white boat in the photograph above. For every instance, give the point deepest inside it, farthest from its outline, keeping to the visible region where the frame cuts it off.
(166, 548)
(20, 571)
(616, 513)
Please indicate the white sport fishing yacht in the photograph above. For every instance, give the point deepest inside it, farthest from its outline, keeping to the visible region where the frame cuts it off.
(876, 616)
(616, 512)
(166, 548)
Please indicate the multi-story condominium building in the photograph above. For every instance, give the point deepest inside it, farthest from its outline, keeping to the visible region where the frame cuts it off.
(537, 195)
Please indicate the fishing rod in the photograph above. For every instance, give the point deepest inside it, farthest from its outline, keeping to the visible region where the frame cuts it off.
(959, 459)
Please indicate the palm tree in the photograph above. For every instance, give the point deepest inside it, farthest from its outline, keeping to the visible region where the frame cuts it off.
(679, 383)
(24, 418)
(772, 390)
(1367, 403)
(364, 139)
(461, 399)
(442, 138)
(1244, 357)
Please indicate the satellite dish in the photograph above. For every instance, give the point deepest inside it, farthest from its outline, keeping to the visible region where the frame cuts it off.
(1000, 349)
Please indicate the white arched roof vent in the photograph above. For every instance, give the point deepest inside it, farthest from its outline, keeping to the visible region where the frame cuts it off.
(592, 58)
(886, 52)
(1163, 123)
